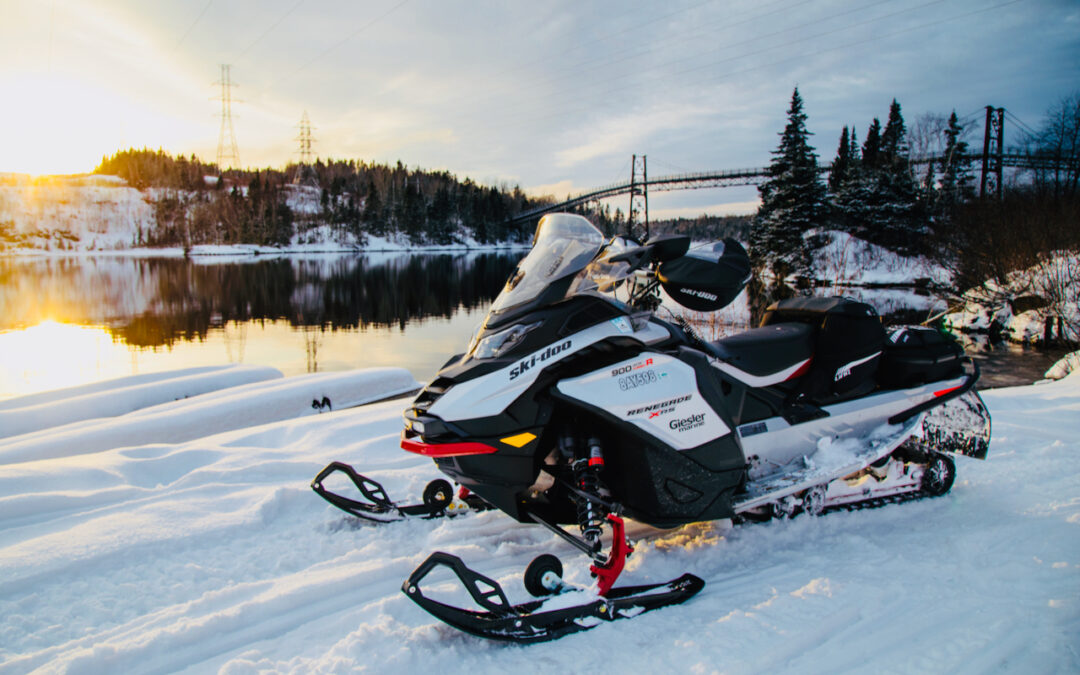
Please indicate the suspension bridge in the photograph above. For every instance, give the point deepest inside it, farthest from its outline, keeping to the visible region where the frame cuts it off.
(992, 160)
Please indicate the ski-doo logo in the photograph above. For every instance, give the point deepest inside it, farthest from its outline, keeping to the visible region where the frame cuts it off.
(633, 366)
(700, 294)
(540, 357)
(687, 423)
(663, 406)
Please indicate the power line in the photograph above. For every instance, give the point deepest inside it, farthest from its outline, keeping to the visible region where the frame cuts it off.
(669, 78)
(349, 37)
(268, 30)
(193, 24)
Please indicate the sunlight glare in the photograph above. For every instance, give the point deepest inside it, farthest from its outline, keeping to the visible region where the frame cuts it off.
(54, 355)
(67, 125)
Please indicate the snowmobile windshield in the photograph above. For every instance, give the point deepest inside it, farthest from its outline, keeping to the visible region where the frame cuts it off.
(563, 246)
(602, 275)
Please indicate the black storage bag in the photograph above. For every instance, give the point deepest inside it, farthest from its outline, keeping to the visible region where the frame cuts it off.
(916, 354)
(709, 278)
(847, 351)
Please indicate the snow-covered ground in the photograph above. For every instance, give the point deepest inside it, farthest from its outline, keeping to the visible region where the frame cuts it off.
(1020, 305)
(849, 261)
(213, 555)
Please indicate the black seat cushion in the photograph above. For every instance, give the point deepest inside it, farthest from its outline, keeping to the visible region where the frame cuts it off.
(768, 349)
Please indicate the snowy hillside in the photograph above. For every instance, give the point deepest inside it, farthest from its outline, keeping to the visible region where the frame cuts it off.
(845, 260)
(83, 212)
(213, 555)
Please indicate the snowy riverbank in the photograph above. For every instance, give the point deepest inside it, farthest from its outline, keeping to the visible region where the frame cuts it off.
(95, 214)
(213, 555)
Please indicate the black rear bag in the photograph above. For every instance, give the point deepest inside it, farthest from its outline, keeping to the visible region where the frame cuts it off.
(915, 355)
(707, 279)
(847, 349)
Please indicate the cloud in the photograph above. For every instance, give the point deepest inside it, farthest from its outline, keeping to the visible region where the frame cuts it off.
(722, 209)
(621, 135)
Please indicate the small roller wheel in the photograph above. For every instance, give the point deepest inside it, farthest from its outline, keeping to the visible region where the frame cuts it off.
(938, 476)
(813, 502)
(438, 494)
(543, 576)
(783, 509)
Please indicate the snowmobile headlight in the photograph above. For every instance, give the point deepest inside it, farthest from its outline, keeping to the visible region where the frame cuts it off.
(497, 344)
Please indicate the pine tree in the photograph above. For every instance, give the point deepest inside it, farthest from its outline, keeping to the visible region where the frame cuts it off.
(871, 148)
(879, 200)
(893, 146)
(841, 166)
(792, 200)
(956, 179)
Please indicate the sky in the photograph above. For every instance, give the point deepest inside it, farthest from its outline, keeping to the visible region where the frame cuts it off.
(553, 96)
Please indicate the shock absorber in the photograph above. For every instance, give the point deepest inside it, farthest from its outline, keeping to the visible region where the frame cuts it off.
(587, 476)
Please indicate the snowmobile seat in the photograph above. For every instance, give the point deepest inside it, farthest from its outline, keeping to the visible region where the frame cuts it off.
(847, 348)
(768, 351)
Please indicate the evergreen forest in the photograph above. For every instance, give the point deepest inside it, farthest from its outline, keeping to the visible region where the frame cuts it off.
(880, 191)
(195, 203)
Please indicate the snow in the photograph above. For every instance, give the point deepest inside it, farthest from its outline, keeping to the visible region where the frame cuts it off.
(94, 214)
(213, 555)
(190, 418)
(1053, 283)
(1068, 365)
(27, 414)
(845, 260)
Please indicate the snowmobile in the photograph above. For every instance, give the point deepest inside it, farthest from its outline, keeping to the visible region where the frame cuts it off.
(577, 404)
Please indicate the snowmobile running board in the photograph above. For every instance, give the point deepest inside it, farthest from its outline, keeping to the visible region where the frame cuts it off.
(804, 474)
(540, 620)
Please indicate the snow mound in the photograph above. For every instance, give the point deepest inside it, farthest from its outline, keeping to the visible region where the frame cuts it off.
(849, 261)
(232, 408)
(27, 414)
(1025, 302)
(1068, 365)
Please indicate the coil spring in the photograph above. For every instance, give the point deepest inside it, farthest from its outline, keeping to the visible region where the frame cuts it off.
(590, 515)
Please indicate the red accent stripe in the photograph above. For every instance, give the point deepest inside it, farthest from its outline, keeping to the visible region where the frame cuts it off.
(803, 369)
(593, 461)
(445, 449)
(946, 391)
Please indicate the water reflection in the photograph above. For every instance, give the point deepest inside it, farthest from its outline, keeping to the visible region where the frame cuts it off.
(158, 302)
(298, 314)
(67, 321)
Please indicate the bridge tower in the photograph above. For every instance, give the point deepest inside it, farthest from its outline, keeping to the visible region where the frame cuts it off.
(639, 194)
(993, 151)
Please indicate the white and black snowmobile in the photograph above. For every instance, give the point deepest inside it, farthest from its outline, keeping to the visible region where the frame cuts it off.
(573, 407)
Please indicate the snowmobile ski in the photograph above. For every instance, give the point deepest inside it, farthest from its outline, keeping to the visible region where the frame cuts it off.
(544, 619)
(438, 498)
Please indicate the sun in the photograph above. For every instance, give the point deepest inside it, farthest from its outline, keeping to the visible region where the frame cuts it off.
(66, 125)
(60, 125)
